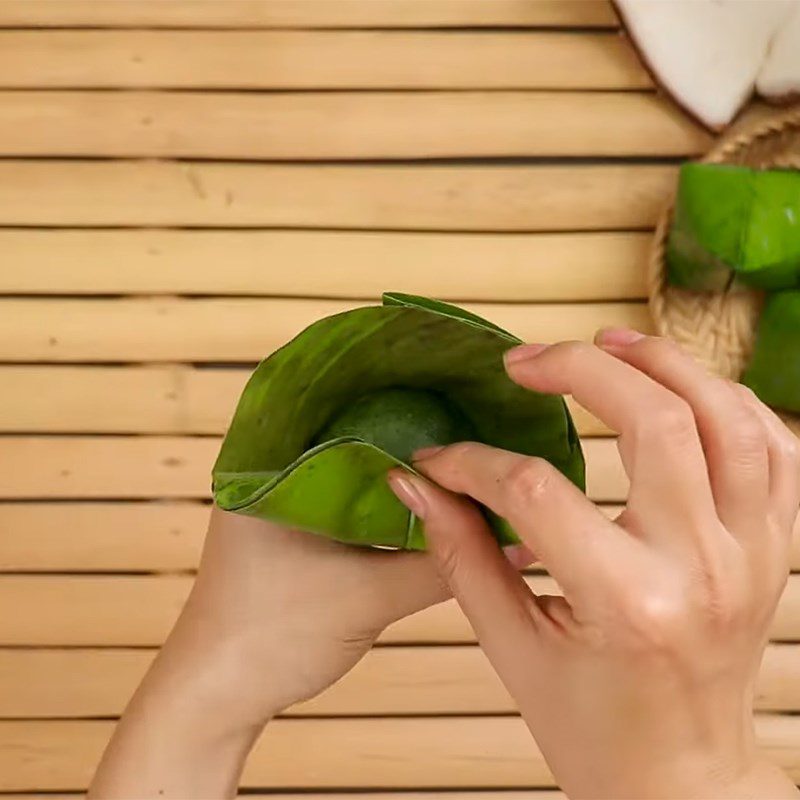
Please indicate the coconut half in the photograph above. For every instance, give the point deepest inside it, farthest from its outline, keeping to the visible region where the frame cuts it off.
(779, 79)
(707, 54)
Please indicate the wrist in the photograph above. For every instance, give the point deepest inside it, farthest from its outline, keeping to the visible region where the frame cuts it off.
(701, 779)
(177, 738)
(759, 779)
(214, 673)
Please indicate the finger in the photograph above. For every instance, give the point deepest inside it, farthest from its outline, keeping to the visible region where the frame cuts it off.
(579, 545)
(498, 603)
(733, 437)
(784, 461)
(519, 556)
(659, 442)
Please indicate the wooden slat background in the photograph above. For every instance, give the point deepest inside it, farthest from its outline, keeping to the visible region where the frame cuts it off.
(185, 184)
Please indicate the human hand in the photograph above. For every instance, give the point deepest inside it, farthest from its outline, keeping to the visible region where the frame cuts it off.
(638, 683)
(274, 617)
(293, 611)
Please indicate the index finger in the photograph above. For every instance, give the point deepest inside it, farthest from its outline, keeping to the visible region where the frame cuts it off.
(659, 441)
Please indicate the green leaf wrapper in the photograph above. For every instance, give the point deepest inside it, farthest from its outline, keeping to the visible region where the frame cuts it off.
(410, 373)
(774, 369)
(735, 221)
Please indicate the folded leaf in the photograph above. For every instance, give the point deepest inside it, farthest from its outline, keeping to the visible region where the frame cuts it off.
(734, 221)
(774, 369)
(322, 420)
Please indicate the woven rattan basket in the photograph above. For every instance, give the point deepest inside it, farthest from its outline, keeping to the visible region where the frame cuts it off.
(719, 328)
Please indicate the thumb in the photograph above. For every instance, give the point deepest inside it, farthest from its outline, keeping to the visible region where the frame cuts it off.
(492, 594)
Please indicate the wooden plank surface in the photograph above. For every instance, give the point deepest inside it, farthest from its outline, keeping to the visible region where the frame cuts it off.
(306, 13)
(146, 59)
(231, 330)
(398, 197)
(124, 611)
(163, 399)
(166, 399)
(102, 536)
(357, 126)
(96, 537)
(128, 467)
(503, 794)
(475, 752)
(95, 98)
(405, 681)
(537, 267)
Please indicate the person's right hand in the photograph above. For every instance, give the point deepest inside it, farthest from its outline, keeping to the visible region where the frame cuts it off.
(638, 683)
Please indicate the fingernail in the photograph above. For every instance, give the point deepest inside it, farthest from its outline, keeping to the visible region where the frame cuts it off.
(617, 337)
(426, 452)
(518, 555)
(408, 494)
(523, 352)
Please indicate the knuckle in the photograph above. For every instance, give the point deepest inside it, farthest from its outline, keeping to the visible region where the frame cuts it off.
(459, 451)
(528, 480)
(451, 464)
(574, 353)
(654, 621)
(790, 449)
(745, 426)
(748, 433)
(659, 348)
(447, 562)
(672, 420)
(725, 607)
(745, 392)
(722, 599)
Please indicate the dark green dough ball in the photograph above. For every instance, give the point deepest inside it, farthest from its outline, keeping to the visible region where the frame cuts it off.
(400, 421)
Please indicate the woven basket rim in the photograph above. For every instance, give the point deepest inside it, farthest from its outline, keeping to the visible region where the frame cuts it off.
(718, 329)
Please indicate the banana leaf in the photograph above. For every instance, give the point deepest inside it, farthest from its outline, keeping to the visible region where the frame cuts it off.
(323, 419)
(735, 223)
(774, 369)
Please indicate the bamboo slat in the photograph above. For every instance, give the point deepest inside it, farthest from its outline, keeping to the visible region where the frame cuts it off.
(106, 466)
(475, 752)
(145, 59)
(230, 330)
(475, 266)
(125, 611)
(159, 536)
(398, 197)
(99, 537)
(345, 126)
(525, 244)
(306, 13)
(166, 399)
(130, 467)
(531, 794)
(407, 681)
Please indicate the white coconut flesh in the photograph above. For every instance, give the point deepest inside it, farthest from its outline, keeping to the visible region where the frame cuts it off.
(780, 74)
(707, 54)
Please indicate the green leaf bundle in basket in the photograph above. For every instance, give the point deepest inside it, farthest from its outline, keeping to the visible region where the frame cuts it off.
(724, 271)
(323, 420)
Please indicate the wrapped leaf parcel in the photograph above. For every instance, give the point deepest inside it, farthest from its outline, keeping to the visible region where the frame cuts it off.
(322, 420)
(735, 222)
(774, 369)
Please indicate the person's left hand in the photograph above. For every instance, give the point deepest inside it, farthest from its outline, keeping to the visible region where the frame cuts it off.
(275, 616)
(291, 612)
